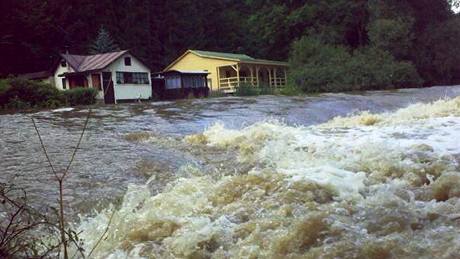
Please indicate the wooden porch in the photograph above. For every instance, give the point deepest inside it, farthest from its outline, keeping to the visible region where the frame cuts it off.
(257, 75)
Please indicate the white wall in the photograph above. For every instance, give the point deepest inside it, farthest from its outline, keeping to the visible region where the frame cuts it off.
(130, 91)
(57, 79)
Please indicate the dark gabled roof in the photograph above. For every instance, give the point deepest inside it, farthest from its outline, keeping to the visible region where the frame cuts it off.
(81, 63)
(36, 75)
(197, 72)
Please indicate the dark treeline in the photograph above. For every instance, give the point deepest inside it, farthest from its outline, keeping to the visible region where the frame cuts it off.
(417, 40)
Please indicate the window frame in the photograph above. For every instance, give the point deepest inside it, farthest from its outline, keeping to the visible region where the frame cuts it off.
(128, 61)
(64, 83)
(132, 78)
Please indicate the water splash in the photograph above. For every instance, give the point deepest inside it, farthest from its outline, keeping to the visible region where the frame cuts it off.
(365, 186)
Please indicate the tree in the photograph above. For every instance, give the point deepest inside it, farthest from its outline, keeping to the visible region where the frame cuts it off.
(320, 67)
(392, 35)
(103, 43)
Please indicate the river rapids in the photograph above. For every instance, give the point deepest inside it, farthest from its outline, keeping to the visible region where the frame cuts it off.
(369, 185)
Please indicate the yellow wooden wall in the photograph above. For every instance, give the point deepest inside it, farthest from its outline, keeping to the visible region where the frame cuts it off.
(193, 62)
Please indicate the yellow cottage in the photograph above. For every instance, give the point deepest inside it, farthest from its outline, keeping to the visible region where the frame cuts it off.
(227, 71)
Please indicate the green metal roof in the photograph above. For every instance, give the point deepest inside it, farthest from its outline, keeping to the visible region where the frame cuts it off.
(213, 54)
(237, 57)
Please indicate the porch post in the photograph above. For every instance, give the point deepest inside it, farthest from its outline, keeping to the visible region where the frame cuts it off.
(257, 75)
(238, 74)
(218, 78)
(274, 75)
(252, 75)
(285, 76)
(269, 77)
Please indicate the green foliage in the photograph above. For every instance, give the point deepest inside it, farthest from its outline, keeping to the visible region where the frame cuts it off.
(3, 86)
(81, 96)
(22, 94)
(247, 90)
(437, 54)
(318, 67)
(422, 32)
(103, 43)
(290, 90)
(267, 90)
(392, 35)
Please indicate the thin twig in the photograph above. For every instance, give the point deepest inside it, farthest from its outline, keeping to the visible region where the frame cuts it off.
(78, 144)
(44, 149)
(103, 234)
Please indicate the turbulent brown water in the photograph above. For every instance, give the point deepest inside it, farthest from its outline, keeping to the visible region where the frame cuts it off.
(373, 175)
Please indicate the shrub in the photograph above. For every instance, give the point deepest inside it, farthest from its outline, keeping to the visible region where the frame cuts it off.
(3, 85)
(266, 90)
(81, 96)
(246, 89)
(20, 94)
(290, 90)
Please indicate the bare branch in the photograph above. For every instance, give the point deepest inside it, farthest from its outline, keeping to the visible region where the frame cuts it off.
(103, 234)
(44, 149)
(78, 144)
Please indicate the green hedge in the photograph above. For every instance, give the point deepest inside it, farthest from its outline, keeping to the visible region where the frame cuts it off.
(18, 93)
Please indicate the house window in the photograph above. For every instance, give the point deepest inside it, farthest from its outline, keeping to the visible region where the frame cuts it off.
(173, 82)
(127, 61)
(63, 63)
(64, 83)
(133, 78)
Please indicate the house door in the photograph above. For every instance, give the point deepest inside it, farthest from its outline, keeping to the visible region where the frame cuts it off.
(107, 83)
(96, 80)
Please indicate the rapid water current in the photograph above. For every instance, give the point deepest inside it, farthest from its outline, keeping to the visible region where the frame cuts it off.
(369, 175)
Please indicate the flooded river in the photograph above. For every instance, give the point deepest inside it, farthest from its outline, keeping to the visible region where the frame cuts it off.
(364, 175)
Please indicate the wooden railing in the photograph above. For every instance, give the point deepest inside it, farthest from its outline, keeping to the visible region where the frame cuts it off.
(229, 84)
(278, 82)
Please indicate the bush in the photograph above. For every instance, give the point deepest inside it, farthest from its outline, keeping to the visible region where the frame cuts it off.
(3, 86)
(318, 67)
(81, 96)
(267, 90)
(246, 89)
(18, 93)
(290, 90)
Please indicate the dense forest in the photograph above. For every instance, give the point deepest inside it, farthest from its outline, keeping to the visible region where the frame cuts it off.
(328, 42)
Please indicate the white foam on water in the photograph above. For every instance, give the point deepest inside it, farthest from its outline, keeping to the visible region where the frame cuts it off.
(362, 186)
(67, 109)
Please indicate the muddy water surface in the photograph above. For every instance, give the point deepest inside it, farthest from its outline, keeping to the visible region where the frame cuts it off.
(254, 177)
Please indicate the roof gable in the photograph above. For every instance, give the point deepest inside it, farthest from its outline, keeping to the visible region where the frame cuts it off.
(242, 58)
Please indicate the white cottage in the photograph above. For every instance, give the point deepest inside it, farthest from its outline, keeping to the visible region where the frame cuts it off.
(119, 76)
